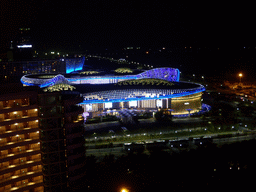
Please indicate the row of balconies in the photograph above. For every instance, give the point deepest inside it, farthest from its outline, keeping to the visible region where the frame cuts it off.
(74, 119)
(54, 168)
(19, 150)
(35, 183)
(21, 177)
(14, 103)
(20, 163)
(18, 127)
(18, 115)
(18, 138)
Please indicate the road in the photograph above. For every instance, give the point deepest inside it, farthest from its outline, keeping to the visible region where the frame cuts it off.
(118, 151)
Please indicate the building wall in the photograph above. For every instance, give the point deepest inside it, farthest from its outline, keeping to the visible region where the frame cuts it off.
(41, 141)
(20, 156)
(43, 66)
(62, 140)
(74, 64)
(181, 104)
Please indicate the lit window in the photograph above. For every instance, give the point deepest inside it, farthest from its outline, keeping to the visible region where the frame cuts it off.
(108, 105)
(133, 103)
(159, 103)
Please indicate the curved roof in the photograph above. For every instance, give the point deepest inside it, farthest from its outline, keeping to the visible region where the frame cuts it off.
(156, 83)
(44, 80)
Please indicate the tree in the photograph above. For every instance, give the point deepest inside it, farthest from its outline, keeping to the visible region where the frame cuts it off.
(163, 116)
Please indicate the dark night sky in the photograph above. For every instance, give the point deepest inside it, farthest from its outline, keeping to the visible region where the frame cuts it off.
(56, 24)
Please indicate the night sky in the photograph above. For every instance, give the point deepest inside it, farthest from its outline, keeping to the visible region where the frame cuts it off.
(84, 25)
(56, 24)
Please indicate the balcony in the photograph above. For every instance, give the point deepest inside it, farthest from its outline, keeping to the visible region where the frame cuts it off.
(17, 115)
(14, 103)
(17, 141)
(18, 127)
(19, 132)
(20, 177)
(73, 110)
(20, 153)
(23, 165)
(28, 186)
(18, 109)
(74, 123)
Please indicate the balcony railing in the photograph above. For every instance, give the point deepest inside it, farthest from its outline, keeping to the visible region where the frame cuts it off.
(19, 141)
(17, 130)
(18, 117)
(19, 164)
(13, 105)
(18, 177)
(29, 184)
(20, 152)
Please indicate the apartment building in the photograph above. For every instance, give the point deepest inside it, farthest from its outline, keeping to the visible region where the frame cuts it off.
(41, 140)
(20, 155)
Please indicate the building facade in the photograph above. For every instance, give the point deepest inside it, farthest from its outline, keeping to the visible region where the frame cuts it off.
(20, 154)
(41, 141)
(148, 90)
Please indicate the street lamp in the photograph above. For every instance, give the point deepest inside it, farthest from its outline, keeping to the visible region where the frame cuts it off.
(240, 75)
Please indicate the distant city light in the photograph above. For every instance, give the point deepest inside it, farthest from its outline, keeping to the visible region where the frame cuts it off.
(24, 46)
(124, 190)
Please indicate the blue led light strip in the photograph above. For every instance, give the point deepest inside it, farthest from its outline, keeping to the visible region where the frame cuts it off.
(169, 74)
(142, 98)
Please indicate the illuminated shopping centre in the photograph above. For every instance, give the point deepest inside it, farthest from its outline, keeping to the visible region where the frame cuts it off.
(110, 93)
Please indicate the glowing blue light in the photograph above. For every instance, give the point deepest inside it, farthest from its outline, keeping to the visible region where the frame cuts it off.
(28, 84)
(55, 80)
(178, 75)
(143, 98)
(168, 74)
(74, 64)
